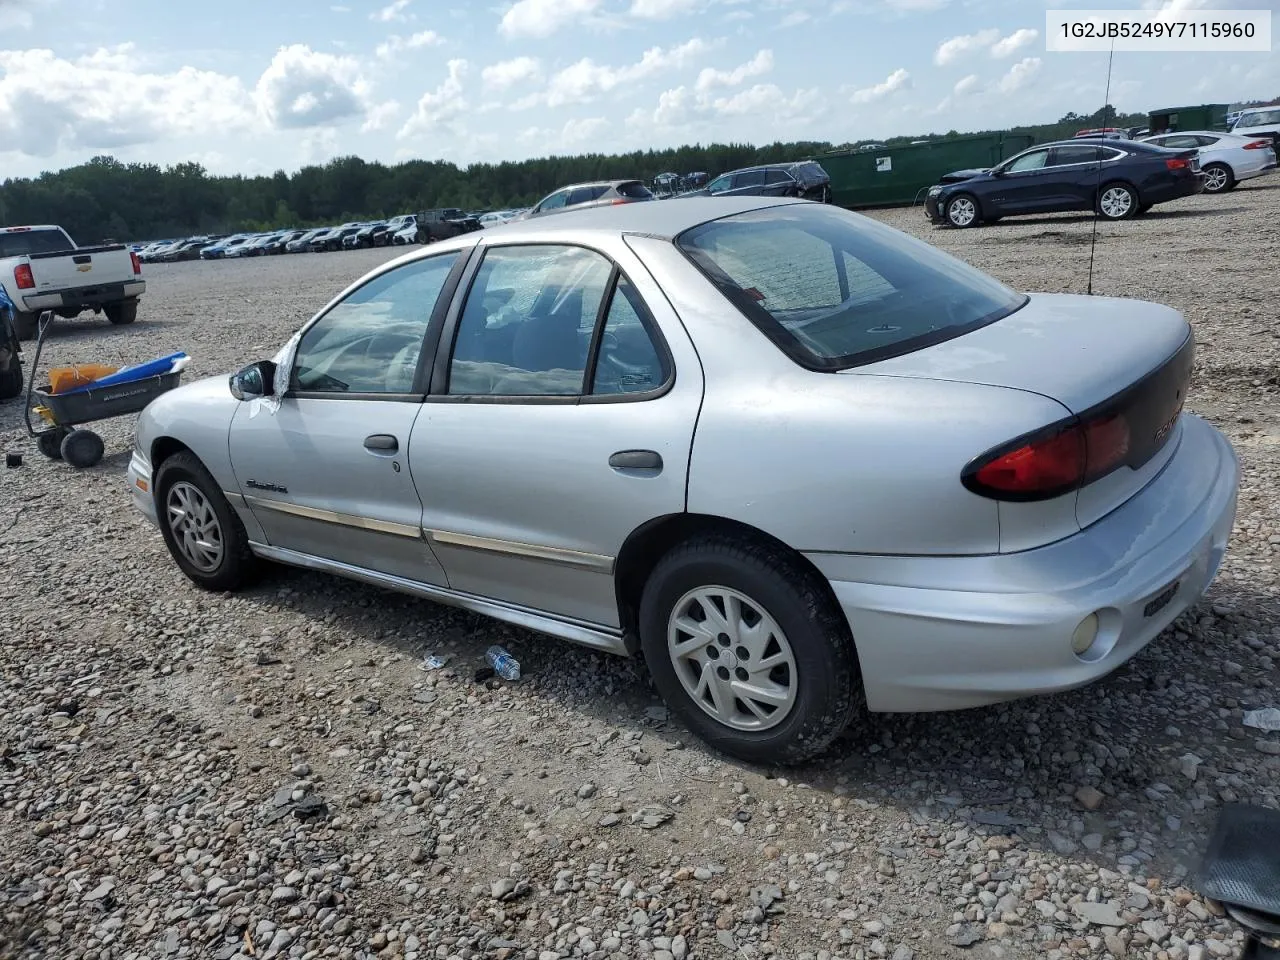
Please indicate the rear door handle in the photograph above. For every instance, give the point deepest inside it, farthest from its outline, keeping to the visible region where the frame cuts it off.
(382, 443)
(636, 460)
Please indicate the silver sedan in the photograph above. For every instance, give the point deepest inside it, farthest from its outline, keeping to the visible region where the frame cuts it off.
(801, 461)
(1225, 158)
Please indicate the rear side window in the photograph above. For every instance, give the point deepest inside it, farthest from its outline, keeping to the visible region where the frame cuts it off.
(1074, 154)
(586, 194)
(749, 178)
(778, 176)
(634, 191)
(835, 290)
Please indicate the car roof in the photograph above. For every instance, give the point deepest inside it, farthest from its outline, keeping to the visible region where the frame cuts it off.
(665, 220)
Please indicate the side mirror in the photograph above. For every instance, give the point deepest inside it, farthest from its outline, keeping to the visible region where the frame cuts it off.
(254, 381)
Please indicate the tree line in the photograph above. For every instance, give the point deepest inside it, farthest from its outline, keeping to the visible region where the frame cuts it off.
(106, 199)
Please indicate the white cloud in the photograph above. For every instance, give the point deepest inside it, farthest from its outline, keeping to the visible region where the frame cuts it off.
(380, 117)
(583, 81)
(392, 12)
(304, 88)
(541, 18)
(965, 85)
(913, 6)
(953, 49)
(105, 101)
(508, 73)
(1019, 75)
(395, 43)
(661, 9)
(898, 80)
(582, 130)
(439, 108)
(795, 18)
(1013, 42)
(711, 78)
(763, 99)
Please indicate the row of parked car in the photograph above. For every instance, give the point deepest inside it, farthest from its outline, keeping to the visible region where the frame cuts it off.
(1103, 171)
(425, 227)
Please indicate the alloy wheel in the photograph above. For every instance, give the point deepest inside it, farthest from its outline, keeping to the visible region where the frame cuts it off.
(1116, 202)
(961, 211)
(732, 658)
(194, 526)
(1215, 179)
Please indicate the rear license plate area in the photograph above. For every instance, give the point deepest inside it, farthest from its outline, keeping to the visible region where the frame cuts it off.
(1161, 599)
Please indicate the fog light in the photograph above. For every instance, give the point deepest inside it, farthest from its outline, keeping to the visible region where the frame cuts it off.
(1086, 632)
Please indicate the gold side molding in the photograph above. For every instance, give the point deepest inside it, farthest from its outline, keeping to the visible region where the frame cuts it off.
(572, 558)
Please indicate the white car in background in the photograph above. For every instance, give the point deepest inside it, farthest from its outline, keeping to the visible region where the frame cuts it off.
(1259, 122)
(497, 218)
(1225, 158)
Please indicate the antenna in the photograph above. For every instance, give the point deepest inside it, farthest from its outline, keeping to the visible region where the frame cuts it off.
(1097, 183)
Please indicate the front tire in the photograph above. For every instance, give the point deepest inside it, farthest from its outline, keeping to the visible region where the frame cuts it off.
(1218, 178)
(746, 645)
(962, 211)
(1117, 201)
(122, 312)
(204, 536)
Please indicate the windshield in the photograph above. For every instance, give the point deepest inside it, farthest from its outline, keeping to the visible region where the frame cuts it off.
(27, 242)
(834, 289)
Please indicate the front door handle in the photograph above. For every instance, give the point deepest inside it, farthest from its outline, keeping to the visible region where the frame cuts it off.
(382, 443)
(636, 460)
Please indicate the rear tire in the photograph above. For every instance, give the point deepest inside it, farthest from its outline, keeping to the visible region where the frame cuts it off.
(962, 211)
(122, 312)
(724, 616)
(26, 326)
(82, 448)
(203, 533)
(1117, 201)
(50, 442)
(1218, 178)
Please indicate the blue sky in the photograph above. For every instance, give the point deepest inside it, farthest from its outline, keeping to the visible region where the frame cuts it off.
(253, 87)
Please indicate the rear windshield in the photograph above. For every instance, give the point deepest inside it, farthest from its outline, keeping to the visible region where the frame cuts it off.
(834, 289)
(1258, 118)
(635, 190)
(33, 241)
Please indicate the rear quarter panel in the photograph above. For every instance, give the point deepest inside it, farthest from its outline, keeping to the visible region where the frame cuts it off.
(834, 462)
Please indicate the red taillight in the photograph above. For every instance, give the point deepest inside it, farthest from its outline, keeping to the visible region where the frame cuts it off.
(23, 278)
(1176, 163)
(1052, 462)
(1257, 145)
(137, 264)
(618, 200)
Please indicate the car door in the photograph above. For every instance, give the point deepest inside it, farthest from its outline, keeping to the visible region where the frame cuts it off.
(779, 183)
(721, 185)
(748, 183)
(560, 420)
(1072, 176)
(326, 473)
(1021, 186)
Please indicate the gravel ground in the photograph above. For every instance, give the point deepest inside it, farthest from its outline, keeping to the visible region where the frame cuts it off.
(274, 774)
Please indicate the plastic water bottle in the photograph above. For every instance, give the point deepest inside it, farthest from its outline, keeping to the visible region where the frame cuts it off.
(504, 664)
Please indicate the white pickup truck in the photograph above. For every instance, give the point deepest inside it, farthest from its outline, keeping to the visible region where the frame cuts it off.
(41, 269)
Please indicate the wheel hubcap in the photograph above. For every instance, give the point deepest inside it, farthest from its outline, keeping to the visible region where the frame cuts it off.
(962, 212)
(732, 658)
(1116, 202)
(194, 526)
(1215, 179)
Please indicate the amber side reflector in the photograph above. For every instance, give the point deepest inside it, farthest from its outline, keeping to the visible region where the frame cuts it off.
(141, 485)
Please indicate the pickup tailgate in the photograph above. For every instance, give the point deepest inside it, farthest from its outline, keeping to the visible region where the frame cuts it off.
(83, 267)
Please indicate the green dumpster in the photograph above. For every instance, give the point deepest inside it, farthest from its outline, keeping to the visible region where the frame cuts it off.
(890, 176)
(1207, 116)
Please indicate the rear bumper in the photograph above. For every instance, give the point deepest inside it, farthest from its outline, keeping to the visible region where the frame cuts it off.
(1173, 190)
(84, 296)
(941, 633)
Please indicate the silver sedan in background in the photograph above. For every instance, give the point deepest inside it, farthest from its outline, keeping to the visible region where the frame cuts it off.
(801, 461)
(1225, 158)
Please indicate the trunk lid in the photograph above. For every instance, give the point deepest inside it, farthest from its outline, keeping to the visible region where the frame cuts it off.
(1096, 356)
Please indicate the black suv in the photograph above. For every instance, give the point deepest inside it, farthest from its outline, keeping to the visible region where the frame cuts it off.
(804, 179)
